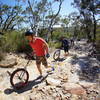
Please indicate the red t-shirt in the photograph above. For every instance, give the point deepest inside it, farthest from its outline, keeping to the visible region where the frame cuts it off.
(38, 46)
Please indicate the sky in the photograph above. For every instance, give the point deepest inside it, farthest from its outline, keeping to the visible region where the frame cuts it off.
(66, 7)
(65, 10)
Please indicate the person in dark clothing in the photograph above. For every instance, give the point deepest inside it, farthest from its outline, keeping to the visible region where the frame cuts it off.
(65, 45)
(72, 42)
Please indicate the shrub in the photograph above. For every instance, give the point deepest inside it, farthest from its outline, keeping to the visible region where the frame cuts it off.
(1, 55)
(53, 44)
(14, 42)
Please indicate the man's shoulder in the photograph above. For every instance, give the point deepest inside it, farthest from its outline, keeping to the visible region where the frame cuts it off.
(40, 39)
(65, 40)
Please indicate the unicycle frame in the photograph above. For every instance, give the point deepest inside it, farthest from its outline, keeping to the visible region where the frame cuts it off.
(23, 71)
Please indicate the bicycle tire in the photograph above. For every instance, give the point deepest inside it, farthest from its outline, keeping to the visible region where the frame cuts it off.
(20, 84)
(56, 55)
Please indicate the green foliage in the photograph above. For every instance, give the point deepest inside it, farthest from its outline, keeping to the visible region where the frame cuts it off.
(98, 40)
(10, 16)
(98, 37)
(88, 9)
(58, 33)
(53, 44)
(1, 55)
(98, 33)
(13, 42)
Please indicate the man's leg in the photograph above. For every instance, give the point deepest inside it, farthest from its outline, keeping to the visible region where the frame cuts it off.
(38, 64)
(39, 68)
(66, 51)
(45, 63)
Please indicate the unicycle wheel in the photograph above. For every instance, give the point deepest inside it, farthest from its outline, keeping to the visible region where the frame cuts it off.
(19, 78)
(56, 55)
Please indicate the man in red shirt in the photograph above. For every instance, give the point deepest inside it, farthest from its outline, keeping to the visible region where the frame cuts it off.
(41, 49)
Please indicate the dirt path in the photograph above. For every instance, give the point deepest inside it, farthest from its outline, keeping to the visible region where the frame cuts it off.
(75, 77)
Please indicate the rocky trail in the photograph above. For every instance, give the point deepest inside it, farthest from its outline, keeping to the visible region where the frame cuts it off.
(76, 77)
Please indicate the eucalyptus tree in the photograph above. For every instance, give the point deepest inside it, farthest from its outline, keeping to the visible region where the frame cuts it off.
(53, 18)
(41, 15)
(75, 24)
(65, 24)
(37, 14)
(89, 9)
(10, 16)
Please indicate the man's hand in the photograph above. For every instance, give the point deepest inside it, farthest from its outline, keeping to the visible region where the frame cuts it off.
(47, 55)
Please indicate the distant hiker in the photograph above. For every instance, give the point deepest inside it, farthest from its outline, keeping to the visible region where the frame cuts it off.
(72, 42)
(65, 45)
(41, 49)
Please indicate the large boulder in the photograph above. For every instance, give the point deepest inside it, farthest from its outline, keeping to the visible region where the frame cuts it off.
(8, 63)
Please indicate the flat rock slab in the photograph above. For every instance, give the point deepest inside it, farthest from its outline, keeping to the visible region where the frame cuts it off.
(74, 88)
(54, 82)
(8, 63)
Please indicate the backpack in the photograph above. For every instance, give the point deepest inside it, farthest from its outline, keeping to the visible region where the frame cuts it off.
(65, 42)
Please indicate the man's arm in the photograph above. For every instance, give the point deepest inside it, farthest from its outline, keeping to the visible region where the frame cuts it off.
(46, 48)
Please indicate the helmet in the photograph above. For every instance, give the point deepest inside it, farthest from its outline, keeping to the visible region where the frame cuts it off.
(28, 33)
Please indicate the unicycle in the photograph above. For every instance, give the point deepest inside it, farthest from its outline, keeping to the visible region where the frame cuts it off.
(19, 78)
(56, 54)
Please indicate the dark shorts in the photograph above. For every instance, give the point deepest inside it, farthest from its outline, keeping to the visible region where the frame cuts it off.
(41, 59)
(66, 48)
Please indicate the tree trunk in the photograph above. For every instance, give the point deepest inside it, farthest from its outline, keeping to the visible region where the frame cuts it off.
(51, 23)
(88, 33)
(94, 30)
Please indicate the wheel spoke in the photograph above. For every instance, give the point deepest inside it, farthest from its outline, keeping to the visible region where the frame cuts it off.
(17, 75)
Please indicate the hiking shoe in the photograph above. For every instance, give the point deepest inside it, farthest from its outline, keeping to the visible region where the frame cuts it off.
(52, 69)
